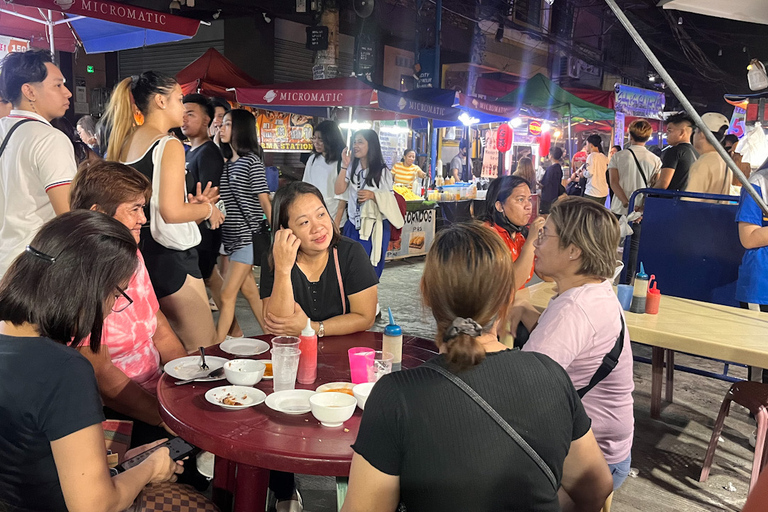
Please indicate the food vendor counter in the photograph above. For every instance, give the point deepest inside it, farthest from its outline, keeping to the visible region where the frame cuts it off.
(417, 233)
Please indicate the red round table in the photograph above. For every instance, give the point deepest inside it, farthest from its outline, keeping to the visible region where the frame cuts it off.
(250, 442)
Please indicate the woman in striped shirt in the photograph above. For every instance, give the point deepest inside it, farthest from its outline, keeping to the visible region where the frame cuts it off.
(246, 199)
(405, 171)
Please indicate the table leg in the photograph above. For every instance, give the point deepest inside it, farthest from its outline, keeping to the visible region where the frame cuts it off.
(251, 484)
(657, 370)
(670, 386)
(223, 483)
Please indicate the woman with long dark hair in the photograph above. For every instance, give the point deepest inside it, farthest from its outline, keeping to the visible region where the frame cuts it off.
(55, 295)
(526, 171)
(324, 166)
(507, 211)
(371, 205)
(168, 240)
(596, 168)
(246, 198)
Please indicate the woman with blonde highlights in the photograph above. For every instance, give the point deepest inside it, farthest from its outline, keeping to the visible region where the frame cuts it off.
(585, 322)
(425, 443)
(149, 149)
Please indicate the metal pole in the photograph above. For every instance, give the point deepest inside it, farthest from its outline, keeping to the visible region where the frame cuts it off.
(49, 22)
(437, 80)
(432, 141)
(349, 127)
(570, 142)
(686, 104)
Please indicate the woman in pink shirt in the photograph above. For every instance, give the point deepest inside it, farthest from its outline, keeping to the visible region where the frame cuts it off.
(585, 322)
(139, 340)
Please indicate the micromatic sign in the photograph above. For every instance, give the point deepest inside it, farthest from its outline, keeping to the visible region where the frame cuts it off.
(126, 12)
(395, 103)
(323, 98)
(638, 102)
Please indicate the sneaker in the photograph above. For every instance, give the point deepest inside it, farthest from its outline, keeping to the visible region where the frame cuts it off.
(295, 504)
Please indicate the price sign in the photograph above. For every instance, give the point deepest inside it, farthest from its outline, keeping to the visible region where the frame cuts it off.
(317, 38)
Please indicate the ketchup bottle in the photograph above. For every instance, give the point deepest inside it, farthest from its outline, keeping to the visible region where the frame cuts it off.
(653, 297)
(307, 373)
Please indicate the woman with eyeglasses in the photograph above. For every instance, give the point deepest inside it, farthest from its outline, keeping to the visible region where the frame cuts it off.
(54, 296)
(584, 322)
(137, 341)
(507, 211)
(324, 166)
(371, 204)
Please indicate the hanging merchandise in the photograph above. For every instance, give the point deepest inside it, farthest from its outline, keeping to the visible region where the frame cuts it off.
(756, 75)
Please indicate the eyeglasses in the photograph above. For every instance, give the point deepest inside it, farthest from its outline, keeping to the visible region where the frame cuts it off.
(541, 236)
(122, 301)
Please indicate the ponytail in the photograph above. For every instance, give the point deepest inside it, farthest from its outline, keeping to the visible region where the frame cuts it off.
(461, 346)
(118, 119)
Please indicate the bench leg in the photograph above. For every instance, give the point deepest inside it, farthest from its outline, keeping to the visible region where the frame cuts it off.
(341, 491)
(657, 370)
(670, 387)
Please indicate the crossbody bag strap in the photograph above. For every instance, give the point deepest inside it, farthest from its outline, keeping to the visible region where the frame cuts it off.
(640, 169)
(498, 419)
(10, 132)
(610, 361)
(341, 283)
(260, 227)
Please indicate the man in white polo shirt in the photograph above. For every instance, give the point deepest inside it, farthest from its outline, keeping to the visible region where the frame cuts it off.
(38, 162)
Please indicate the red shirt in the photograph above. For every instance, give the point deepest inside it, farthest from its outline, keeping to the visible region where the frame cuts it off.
(514, 243)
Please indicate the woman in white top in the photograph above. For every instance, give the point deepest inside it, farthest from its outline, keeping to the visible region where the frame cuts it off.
(597, 167)
(366, 176)
(324, 166)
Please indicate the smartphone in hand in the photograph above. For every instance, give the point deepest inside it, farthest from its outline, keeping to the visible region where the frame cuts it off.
(177, 447)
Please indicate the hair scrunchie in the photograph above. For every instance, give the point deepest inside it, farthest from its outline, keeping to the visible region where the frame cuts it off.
(463, 326)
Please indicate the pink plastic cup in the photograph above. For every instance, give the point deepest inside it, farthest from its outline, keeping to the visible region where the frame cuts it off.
(360, 360)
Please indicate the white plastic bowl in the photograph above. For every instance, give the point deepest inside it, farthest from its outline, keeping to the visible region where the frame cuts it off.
(244, 372)
(332, 409)
(361, 392)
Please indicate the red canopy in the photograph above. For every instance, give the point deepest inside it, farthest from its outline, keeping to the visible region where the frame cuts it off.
(332, 92)
(212, 74)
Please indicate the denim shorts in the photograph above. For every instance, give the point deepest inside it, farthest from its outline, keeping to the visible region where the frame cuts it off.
(243, 255)
(620, 471)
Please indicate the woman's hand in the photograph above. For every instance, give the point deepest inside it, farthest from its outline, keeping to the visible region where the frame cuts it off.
(533, 230)
(164, 468)
(289, 325)
(216, 218)
(365, 195)
(346, 158)
(284, 250)
(209, 195)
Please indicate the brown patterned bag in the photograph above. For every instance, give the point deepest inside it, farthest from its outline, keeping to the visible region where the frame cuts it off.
(168, 497)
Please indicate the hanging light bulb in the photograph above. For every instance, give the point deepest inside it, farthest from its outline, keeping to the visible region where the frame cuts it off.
(720, 52)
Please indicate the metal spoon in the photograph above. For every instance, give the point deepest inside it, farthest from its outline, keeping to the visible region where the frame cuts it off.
(218, 372)
(203, 366)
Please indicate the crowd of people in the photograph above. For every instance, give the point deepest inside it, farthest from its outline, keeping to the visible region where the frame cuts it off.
(107, 255)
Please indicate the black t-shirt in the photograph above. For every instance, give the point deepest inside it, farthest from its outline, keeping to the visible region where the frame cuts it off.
(451, 456)
(322, 300)
(680, 158)
(551, 183)
(204, 164)
(47, 391)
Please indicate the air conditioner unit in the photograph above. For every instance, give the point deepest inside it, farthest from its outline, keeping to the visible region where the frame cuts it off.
(574, 67)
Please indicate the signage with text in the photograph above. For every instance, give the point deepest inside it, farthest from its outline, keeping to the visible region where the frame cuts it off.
(317, 38)
(286, 133)
(11, 45)
(637, 102)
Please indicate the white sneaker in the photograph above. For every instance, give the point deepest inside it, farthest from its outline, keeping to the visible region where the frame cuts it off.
(295, 504)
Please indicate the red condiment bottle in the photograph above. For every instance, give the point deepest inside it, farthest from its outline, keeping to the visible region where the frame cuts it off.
(652, 298)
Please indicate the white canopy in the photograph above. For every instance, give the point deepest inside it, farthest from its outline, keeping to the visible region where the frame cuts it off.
(751, 11)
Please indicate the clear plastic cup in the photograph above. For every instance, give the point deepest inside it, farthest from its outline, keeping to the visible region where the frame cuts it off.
(360, 360)
(285, 365)
(380, 366)
(285, 342)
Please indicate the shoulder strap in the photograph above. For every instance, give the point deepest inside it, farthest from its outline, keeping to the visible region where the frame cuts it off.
(498, 419)
(341, 283)
(10, 132)
(610, 361)
(638, 167)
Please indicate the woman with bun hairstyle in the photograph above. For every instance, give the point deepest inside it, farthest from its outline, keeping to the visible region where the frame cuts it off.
(425, 443)
(167, 242)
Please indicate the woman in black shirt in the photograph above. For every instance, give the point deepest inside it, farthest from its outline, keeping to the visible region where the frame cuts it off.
(300, 279)
(425, 443)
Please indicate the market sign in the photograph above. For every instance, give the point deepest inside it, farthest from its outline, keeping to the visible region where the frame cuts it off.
(11, 44)
(534, 128)
(397, 103)
(286, 133)
(637, 102)
(490, 156)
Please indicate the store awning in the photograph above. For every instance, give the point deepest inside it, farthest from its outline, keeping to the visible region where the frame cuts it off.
(540, 92)
(212, 74)
(98, 25)
(751, 11)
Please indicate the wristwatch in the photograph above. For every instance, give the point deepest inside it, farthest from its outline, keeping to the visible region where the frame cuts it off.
(321, 330)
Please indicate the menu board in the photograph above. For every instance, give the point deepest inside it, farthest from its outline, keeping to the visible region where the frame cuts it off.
(286, 133)
(393, 136)
(416, 236)
(490, 156)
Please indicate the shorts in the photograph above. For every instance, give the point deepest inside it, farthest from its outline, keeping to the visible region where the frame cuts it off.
(243, 255)
(168, 268)
(208, 251)
(620, 471)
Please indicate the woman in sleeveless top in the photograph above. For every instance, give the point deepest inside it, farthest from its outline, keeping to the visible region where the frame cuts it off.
(148, 148)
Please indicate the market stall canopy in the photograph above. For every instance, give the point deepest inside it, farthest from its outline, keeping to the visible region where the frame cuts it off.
(212, 74)
(751, 11)
(98, 25)
(540, 92)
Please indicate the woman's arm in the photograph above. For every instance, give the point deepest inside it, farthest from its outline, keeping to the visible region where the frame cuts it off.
(342, 207)
(266, 206)
(284, 250)
(753, 236)
(173, 208)
(343, 178)
(81, 463)
(118, 391)
(523, 311)
(166, 342)
(587, 481)
(524, 262)
(370, 490)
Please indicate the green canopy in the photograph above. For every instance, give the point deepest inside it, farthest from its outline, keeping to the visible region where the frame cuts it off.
(540, 92)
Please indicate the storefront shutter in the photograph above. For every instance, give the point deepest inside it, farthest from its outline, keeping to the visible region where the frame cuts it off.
(167, 58)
